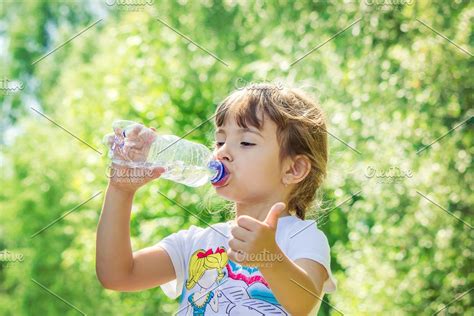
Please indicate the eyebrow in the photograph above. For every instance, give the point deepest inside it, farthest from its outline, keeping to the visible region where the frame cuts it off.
(241, 130)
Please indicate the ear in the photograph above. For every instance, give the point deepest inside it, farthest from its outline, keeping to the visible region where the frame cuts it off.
(296, 169)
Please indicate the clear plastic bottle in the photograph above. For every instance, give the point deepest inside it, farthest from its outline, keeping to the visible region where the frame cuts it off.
(185, 162)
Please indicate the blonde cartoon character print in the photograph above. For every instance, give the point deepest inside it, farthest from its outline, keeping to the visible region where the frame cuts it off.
(205, 270)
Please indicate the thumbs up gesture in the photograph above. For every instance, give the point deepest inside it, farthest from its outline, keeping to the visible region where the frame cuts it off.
(253, 241)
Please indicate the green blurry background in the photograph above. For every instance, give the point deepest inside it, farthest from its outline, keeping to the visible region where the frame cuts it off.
(398, 214)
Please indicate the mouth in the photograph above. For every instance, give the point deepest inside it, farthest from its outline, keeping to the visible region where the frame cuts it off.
(222, 182)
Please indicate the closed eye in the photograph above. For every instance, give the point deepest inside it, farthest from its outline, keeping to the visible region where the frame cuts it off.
(219, 144)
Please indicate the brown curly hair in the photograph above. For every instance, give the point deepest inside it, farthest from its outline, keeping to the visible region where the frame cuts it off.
(301, 130)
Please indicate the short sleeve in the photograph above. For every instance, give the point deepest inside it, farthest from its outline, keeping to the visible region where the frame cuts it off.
(175, 245)
(309, 242)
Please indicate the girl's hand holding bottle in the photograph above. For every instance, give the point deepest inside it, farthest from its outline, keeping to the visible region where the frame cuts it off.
(135, 146)
(129, 147)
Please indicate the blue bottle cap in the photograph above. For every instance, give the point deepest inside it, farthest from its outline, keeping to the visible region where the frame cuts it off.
(217, 167)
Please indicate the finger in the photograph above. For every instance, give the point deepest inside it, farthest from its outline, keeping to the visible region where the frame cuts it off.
(231, 255)
(147, 136)
(240, 233)
(136, 143)
(158, 171)
(109, 139)
(274, 213)
(118, 137)
(237, 245)
(236, 256)
(248, 222)
(117, 131)
(134, 154)
(133, 130)
(117, 150)
(131, 154)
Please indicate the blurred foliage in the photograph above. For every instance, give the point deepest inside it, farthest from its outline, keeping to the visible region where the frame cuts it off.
(390, 87)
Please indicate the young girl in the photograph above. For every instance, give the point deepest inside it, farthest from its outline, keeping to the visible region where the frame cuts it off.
(269, 260)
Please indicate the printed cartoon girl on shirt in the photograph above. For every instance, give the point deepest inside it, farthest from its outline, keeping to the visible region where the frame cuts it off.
(205, 269)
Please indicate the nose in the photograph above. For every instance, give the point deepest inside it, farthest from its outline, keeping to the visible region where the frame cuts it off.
(222, 153)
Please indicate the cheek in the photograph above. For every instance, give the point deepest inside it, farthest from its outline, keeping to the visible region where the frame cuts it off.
(262, 167)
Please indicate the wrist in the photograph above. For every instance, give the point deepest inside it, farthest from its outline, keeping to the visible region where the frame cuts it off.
(274, 260)
(117, 188)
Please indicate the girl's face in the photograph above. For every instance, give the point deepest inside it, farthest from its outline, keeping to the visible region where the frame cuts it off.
(251, 157)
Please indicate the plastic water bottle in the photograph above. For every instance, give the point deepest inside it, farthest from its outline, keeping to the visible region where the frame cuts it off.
(184, 161)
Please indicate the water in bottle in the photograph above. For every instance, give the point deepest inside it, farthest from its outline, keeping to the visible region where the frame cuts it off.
(184, 161)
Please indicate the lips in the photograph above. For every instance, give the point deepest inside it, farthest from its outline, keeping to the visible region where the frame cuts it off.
(223, 181)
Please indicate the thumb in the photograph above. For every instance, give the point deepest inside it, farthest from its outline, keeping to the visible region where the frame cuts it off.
(157, 171)
(272, 216)
(235, 256)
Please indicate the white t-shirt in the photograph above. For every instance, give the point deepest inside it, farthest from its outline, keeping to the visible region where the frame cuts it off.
(209, 283)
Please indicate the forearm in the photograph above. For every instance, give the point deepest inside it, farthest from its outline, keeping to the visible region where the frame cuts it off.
(114, 257)
(291, 285)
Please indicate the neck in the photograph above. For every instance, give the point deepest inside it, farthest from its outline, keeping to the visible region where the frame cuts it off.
(257, 210)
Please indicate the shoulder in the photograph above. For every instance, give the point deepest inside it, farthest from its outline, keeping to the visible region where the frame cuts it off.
(296, 229)
(307, 229)
(302, 238)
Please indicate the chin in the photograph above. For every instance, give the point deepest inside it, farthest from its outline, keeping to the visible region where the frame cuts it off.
(222, 191)
(226, 193)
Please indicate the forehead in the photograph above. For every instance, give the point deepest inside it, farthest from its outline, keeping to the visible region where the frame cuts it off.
(244, 111)
(230, 125)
